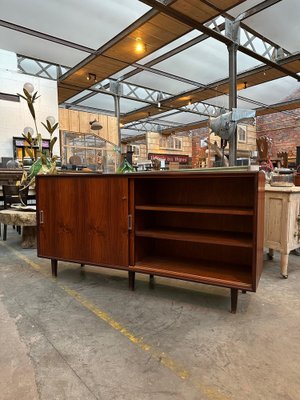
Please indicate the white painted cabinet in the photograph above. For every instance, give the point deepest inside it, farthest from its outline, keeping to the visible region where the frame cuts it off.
(282, 222)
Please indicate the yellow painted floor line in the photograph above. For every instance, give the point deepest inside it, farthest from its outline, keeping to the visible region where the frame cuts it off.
(181, 372)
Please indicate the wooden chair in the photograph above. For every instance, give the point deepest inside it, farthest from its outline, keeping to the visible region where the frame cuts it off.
(13, 195)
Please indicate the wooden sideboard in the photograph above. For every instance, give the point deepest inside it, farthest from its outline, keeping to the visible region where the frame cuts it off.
(204, 227)
(282, 222)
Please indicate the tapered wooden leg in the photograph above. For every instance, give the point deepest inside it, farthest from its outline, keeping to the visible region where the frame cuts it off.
(271, 254)
(284, 259)
(4, 232)
(234, 299)
(131, 278)
(54, 267)
(151, 281)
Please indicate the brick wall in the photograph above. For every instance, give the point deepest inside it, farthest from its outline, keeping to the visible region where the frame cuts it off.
(283, 128)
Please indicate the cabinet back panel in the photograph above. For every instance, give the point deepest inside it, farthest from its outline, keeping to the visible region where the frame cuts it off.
(237, 191)
(213, 222)
(192, 251)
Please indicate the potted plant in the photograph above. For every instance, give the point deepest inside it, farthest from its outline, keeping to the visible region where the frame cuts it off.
(41, 164)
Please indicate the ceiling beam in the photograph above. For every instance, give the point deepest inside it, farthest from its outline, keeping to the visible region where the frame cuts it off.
(44, 36)
(256, 9)
(204, 92)
(168, 10)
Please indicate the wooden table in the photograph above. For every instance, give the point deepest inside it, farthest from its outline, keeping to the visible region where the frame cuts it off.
(282, 222)
(26, 219)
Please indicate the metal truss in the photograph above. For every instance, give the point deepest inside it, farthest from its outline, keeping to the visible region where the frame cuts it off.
(151, 125)
(42, 69)
(250, 40)
(247, 37)
(205, 109)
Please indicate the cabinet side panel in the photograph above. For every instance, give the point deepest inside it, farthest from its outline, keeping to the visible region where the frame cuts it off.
(273, 221)
(258, 228)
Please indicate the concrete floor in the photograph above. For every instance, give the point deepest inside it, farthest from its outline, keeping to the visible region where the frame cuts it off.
(85, 336)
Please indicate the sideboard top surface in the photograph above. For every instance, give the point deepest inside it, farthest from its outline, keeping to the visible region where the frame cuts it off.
(156, 174)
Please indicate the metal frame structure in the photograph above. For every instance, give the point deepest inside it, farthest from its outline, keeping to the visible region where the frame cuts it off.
(233, 32)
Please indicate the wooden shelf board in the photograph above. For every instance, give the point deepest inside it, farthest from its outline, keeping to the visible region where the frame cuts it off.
(208, 237)
(196, 209)
(216, 273)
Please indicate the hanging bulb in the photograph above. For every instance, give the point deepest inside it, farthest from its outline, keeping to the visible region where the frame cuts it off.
(51, 120)
(29, 87)
(28, 129)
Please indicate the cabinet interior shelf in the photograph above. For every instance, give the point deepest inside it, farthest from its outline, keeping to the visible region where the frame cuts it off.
(208, 237)
(217, 273)
(196, 209)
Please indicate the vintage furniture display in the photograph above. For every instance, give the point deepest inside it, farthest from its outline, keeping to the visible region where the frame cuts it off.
(204, 227)
(282, 222)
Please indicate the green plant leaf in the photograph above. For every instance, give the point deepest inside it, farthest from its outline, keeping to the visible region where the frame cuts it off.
(45, 126)
(28, 138)
(44, 159)
(27, 94)
(35, 168)
(35, 97)
(52, 143)
(23, 97)
(31, 109)
(54, 127)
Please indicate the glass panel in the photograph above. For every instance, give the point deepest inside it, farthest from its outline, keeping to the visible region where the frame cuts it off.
(159, 82)
(127, 105)
(178, 42)
(100, 101)
(87, 151)
(203, 63)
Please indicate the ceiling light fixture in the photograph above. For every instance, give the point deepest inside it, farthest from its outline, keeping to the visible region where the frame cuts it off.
(140, 46)
(91, 77)
(160, 97)
(95, 125)
(190, 102)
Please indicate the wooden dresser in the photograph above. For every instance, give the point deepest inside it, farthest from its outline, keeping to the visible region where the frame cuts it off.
(198, 226)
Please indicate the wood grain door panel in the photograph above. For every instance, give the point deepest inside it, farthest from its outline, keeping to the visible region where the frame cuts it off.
(84, 219)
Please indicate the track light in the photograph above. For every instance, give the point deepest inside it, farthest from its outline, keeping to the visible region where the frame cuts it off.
(91, 77)
(160, 97)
